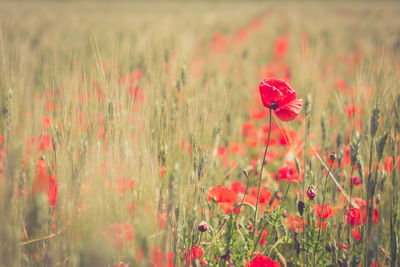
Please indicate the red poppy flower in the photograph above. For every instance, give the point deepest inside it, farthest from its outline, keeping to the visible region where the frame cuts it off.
(355, 233)
(281, 47)
(222, 194)
(356, 217)
(264, 197)
(45, 183)
(225, 196)
(45, 142)
(263, 240)
(161, 258)
(327, 213)
(238, 187)
(294, 223)
(356, 180)
(195, 253)
(260, 260)
(288, 172)
(279, 96)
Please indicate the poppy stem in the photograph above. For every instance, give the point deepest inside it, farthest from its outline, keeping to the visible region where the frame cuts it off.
(261, 171)
(351, 193)
(323, 201)
(241, 203)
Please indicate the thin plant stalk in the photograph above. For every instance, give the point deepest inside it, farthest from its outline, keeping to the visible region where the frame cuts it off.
(322, 210)
(261, 171)
(323, 200)
(367, 199)
(351, 193)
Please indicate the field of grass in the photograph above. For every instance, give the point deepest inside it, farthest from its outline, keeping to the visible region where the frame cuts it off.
(133, 134)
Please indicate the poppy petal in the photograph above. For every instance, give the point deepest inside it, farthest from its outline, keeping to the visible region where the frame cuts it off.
(269, 93)
(289, 111)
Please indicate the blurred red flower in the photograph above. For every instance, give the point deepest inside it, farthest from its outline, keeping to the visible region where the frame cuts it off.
(45, 142)
(238, 187)
(222, 194)
(280, 97)
(294, 223)
(45, 183)
(263, 240)
(161, 258)
(260, 260)
(119, 234)
(353, 216)
(195, 253)
(288, 172)
(327, 212)
(355, 233)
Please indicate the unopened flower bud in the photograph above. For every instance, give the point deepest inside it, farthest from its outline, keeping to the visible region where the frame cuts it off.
(278, 195)
(356, 180)
(284, 214)
(343, 246)
(332, 156)
(203, 227)
(300, 207)
(341, 187)
(377, 199)
(311, 193)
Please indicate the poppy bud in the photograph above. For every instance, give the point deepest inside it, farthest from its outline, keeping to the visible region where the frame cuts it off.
(311, 193)
(297, 243)
(246, 173)
(343, 246)
(377, 199)
(332, 156)
(300, 207)
(356, 180)
(341, 186)
(203, 227)
(328, 247)
(284, 214)
(227, 256)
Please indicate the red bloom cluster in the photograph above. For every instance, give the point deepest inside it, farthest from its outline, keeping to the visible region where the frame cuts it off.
(228, 197)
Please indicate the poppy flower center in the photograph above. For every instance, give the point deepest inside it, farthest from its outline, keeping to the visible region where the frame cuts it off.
(273, 105)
